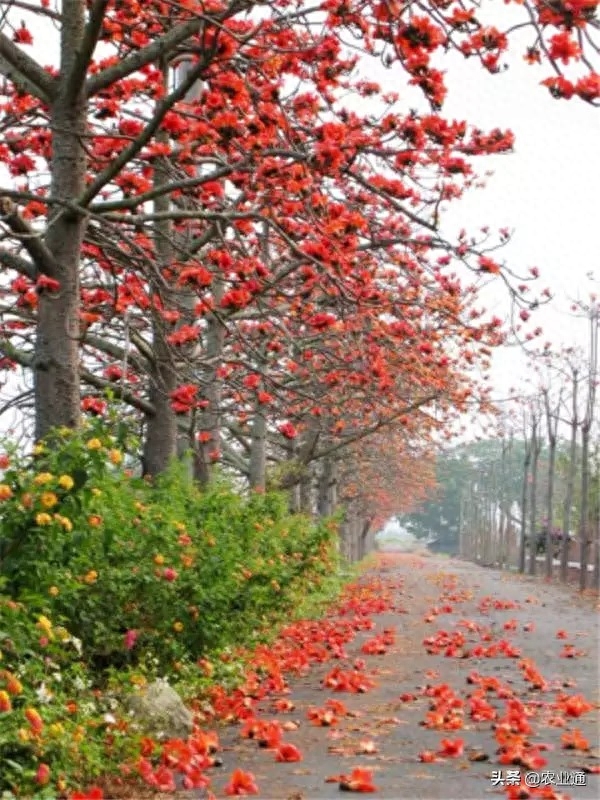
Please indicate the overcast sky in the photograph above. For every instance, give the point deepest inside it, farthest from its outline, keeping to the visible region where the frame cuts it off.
(546, 191)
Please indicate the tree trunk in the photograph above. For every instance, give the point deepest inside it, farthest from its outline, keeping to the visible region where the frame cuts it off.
(160, 445)
(56, 362)
(327, 494)
(524, 506)
(209, 426)
(584, 522)
(258, 452)
(568, 506)
(550, 504)
(536, 446)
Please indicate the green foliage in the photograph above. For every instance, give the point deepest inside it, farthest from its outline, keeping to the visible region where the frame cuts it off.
(476, 464)
(103, 574)
(50, 719)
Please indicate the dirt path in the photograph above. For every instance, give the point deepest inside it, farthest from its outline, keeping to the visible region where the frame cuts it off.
(509, 626)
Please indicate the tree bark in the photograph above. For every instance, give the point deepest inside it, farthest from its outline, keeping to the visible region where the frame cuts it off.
(56, 361)
(568, 505)
(160, 444)
(258, 452)
(536, 446)
(212, 388)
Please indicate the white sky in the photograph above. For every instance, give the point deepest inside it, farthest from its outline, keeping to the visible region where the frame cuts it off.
(546, 192)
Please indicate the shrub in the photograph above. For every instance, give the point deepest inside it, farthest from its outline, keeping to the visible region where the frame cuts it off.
(107, 580)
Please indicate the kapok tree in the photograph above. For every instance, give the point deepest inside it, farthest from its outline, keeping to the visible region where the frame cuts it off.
(101, 152)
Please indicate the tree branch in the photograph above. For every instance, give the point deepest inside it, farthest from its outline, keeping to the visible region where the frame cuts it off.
(25, 73)
(19, 264)
(76, 77)
(29, 238)
(27, 360)
(144, 137)
(167, 188)
(118, 391)
(147, 55)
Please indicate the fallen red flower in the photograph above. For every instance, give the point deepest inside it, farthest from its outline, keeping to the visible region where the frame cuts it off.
(359, 780)
(288, 752)
(241, 783)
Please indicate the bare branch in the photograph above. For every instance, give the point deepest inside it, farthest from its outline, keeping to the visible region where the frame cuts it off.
(19, 264)
(29, 238)
(25, 72)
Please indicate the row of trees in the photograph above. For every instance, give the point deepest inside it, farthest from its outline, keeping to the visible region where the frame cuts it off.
(211, 216)
(536, 488)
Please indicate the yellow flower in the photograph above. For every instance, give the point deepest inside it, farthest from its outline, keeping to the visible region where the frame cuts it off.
(115, 457)
(44, 624)
(91, 577)
(42, 478)
(5, 702)
(49, 499)
(54, 591)
(43, 519)
(13, 684)
(96, 492)
(94, 444)
(5, 492)
(23, 735)
(64, 522)
(66, 482)
(62, 633)
(158, 559)
(178, 626)
(79, 734)
(56, 729)
(39, 449)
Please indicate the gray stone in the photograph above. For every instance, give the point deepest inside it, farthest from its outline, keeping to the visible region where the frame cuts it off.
(158, 710)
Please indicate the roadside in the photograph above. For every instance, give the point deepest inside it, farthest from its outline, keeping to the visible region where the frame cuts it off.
(512, 664)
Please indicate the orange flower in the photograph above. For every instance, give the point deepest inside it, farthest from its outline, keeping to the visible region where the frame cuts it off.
(241, 783)
(451, 748)
(5, 704)
(13, 684)
(575, 740)
(288, 752)
(5, 492)
(359, 780)
(35, 721)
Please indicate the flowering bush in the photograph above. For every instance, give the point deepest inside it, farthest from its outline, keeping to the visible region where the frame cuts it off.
(106, 581)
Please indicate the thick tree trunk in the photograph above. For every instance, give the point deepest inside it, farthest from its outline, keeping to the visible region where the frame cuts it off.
(160, 445)
(327, 494)
(258, 452)
(56, 363)
(306, 490)
(209, 424)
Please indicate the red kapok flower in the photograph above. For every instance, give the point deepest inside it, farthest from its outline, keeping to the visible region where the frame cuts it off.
(241, 783)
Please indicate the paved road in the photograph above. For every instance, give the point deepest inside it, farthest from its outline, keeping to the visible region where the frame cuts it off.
(530, 678)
